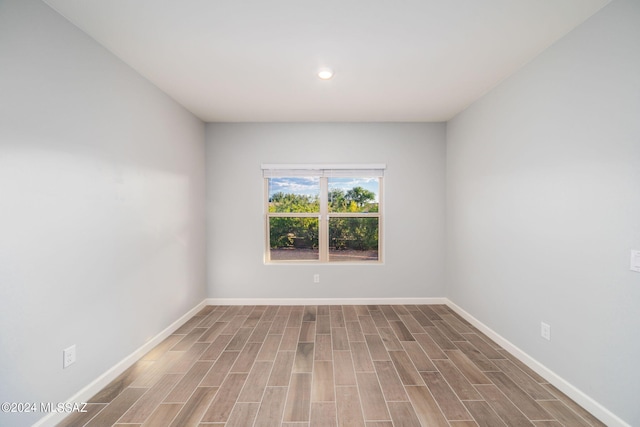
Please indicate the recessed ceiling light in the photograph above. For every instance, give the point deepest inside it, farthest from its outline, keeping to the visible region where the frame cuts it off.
(325, 73)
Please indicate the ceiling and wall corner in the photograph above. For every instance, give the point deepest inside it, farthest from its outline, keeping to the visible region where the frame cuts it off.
(102, 209)
(257, 82)
(543, 208)
(256, 61)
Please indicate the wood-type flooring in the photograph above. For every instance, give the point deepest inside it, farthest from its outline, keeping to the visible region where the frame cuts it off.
(325, 366)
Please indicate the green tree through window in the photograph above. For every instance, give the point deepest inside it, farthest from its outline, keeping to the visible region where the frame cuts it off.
(326, 219)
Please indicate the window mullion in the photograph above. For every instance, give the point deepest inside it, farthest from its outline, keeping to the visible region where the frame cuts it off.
(323, 224)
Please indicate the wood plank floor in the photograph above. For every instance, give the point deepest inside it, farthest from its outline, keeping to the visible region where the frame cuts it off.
(324, 366)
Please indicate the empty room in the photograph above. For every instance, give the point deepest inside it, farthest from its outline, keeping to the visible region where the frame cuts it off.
(316, 214)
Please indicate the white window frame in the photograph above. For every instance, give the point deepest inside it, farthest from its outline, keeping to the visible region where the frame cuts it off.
(324, 172)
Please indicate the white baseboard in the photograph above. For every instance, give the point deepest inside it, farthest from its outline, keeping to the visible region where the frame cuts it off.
(103, 380)
(596, 409)
(323, 301)
(578, 396)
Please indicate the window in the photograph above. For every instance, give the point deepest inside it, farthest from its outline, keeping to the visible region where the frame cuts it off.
(323, 213)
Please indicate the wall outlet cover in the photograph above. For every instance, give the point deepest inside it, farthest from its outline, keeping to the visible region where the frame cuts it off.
(545, 331)
(68, 356)
(635, 261)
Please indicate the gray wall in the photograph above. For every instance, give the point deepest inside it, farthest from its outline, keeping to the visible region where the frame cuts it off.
(101, 208)
(543, 206)
(414, 208)
(102, 211)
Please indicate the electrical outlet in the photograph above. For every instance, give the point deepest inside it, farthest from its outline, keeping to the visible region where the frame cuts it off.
(635, 261)
(69, 356)
(316, 278)
(545, 331)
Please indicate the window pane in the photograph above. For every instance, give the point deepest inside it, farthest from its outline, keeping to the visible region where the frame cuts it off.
(292, 239)
(353, 239)
(294, 194)
(353, 194)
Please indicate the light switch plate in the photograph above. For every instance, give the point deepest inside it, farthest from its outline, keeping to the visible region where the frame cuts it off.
(635, 261)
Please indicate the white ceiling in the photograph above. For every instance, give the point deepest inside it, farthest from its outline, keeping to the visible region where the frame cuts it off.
(256, 60)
